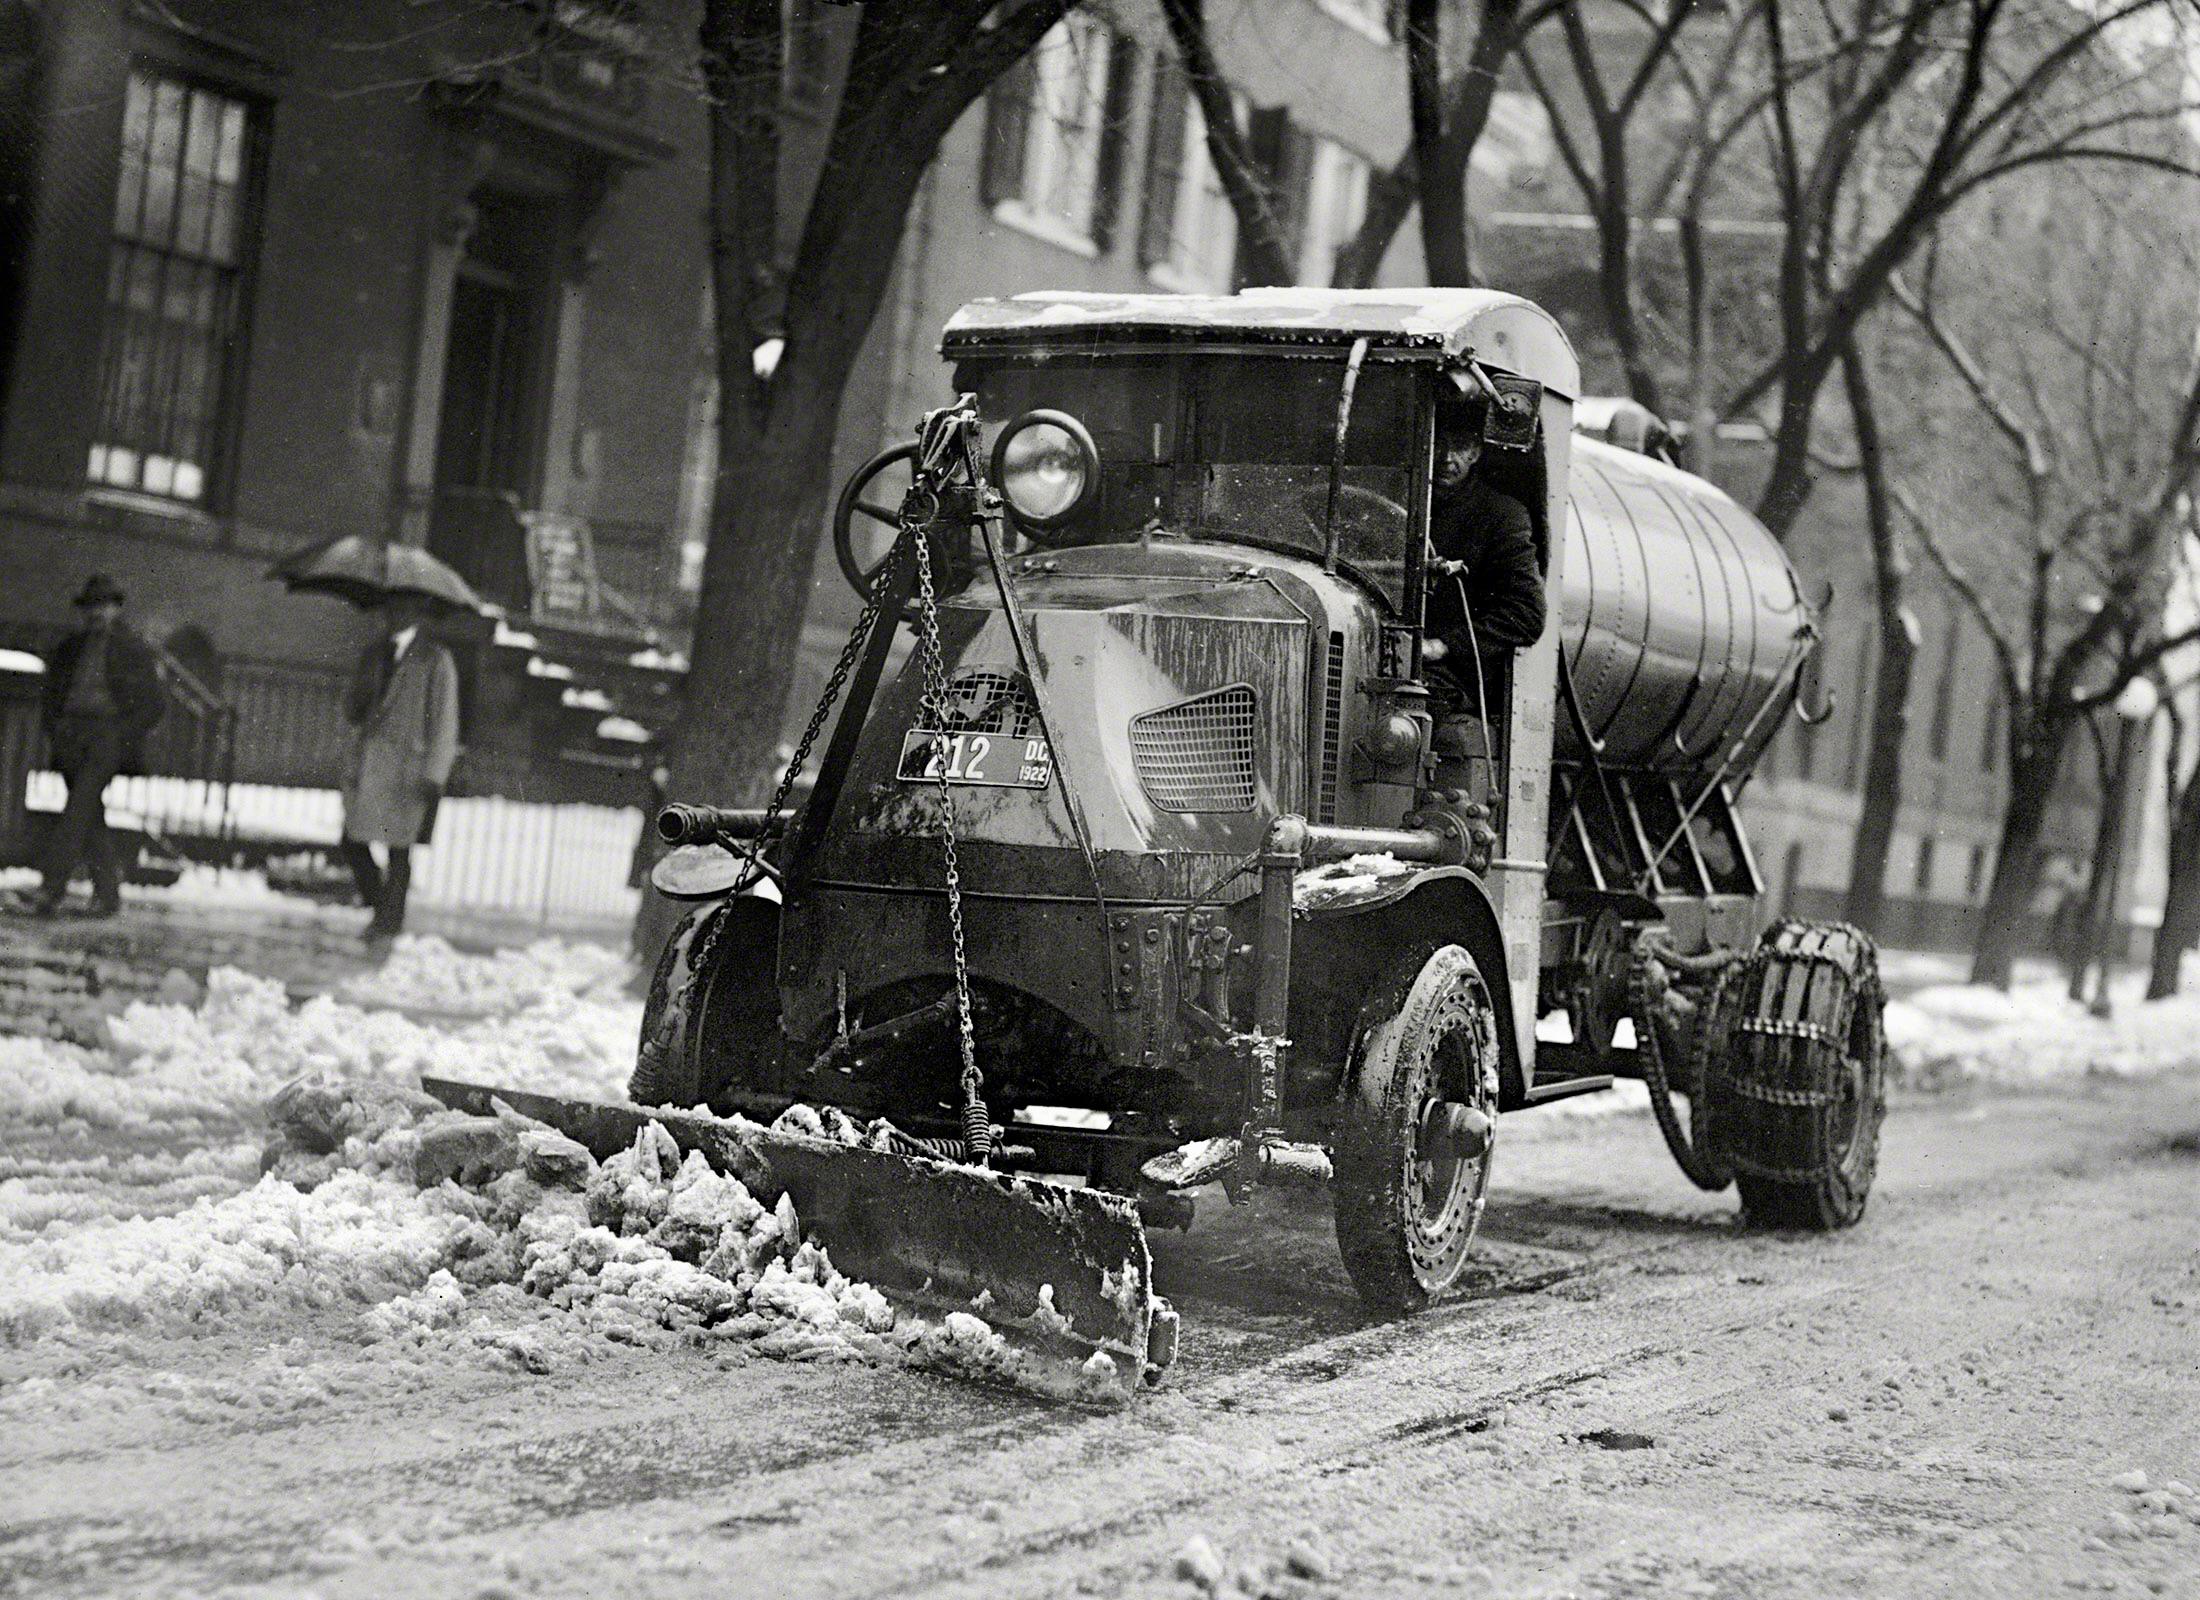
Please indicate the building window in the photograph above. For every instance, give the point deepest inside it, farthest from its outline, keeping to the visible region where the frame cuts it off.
(183, 229)
(1975, 879)
(1925, 866)
(1989, 755)
(1054, 135)
(1187, 237)
(1336, 205)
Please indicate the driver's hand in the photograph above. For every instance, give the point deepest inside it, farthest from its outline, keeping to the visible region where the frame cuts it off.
(1434, 650)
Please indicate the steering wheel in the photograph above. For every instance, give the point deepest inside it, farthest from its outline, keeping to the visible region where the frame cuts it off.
(863, 548)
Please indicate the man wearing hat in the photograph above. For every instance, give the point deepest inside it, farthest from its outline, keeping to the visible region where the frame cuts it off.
(103, 695)
(1486, 597)
(403, 702)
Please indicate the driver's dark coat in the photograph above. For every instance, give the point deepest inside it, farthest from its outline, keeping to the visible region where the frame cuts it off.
(1492, 534)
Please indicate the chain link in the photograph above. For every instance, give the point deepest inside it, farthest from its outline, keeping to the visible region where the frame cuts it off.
(977, 1131)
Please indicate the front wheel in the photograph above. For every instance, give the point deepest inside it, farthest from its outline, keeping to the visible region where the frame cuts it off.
(1798, 1097)
(1413, 1142)
(713, 1004)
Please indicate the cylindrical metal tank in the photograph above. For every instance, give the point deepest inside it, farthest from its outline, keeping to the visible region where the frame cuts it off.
(1679, 612)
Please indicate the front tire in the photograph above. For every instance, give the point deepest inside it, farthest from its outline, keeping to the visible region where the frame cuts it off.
(713, 1004)
(1407, 1205)
(1797, 1101)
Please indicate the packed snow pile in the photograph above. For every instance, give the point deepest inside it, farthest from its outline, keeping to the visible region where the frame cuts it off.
(1342, 880)
(174, 1064)
(426, 974)
(1952, 1034)
(378, 1196)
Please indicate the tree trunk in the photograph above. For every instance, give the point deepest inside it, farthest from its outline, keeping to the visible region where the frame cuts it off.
(2035, 762)
(1439, 165)
(2180, 929)
(1788, 485)
(1882, 797)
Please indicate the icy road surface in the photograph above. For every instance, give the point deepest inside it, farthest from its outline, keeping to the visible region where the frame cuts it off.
(1992, 1387)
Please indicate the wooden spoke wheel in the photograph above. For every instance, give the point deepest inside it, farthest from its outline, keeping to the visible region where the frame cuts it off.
(1413, 1141)
(699, 1036)
(1799, 1092)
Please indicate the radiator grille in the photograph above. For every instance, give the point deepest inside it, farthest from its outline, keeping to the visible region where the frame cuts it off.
(1197, 755)
(1332, 758)
(984, 700)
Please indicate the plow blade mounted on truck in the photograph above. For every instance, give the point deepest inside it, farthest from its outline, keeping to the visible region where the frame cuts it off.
(1060, 1274)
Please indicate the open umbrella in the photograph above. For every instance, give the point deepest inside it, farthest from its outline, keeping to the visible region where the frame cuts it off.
(368, 571)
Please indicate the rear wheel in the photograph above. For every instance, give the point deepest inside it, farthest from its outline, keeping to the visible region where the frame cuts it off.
(713, 1004)
(1413, 1137)
(1797, 1100)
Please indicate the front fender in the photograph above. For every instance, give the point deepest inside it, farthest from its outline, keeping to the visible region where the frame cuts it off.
(1360, 925)
(703, 872)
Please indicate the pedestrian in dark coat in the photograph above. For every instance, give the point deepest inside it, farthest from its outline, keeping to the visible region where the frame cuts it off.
(403, 700)
(103, 695)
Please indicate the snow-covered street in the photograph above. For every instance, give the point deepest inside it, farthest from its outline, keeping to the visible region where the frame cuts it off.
(493, 1366)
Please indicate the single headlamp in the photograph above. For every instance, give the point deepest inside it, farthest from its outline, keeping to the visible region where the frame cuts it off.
(1046, 467)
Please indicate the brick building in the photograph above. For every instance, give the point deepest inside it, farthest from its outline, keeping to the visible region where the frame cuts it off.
(274, 274)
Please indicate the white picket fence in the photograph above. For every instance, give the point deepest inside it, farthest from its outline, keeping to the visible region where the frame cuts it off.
(551, 863)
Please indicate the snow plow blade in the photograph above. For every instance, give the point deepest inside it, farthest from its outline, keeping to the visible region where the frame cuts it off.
(1061, 1274)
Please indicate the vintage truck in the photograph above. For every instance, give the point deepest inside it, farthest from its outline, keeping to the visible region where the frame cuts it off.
(1143, 870)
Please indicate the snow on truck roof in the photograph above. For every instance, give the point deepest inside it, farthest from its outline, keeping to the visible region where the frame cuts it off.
(1502, 329)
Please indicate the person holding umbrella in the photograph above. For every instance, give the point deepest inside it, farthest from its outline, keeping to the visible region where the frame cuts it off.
(103, 695)
(403, 702)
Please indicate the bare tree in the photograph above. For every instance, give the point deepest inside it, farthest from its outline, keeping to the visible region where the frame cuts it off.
(911, 73)
(1601, 158)
(1446, 117)
(2180, 926)
(1969, 92)
(1263, 230)
(2090, 386)
(1898, 641)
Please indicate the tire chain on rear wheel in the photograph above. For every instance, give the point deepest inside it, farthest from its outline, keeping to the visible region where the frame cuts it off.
(1864, 989)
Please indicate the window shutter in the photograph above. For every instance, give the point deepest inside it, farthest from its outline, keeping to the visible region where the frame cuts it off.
(1007, 133)
(1115, 116)
(1164, 164)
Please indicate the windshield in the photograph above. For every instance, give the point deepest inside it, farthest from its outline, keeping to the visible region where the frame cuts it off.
(1237, 448)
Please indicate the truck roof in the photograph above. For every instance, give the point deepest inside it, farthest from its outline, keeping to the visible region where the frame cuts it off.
(1502, 329)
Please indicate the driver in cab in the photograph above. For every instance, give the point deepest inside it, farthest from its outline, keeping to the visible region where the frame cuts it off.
(1487, 542)
(1485, 595)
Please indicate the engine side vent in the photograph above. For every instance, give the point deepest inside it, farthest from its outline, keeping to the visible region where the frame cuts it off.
(1197, 755)
(1332, 758)
(986, 700)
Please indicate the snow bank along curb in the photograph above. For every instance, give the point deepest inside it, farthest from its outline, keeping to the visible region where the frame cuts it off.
(436, 1227)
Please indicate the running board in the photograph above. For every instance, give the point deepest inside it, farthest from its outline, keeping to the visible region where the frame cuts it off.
(1566, 1088)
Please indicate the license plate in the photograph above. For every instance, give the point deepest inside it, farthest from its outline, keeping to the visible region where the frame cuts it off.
(993, 759)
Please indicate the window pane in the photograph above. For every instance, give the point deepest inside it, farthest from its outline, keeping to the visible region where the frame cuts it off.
(172, 286)
(137, 103)
(160, 179)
